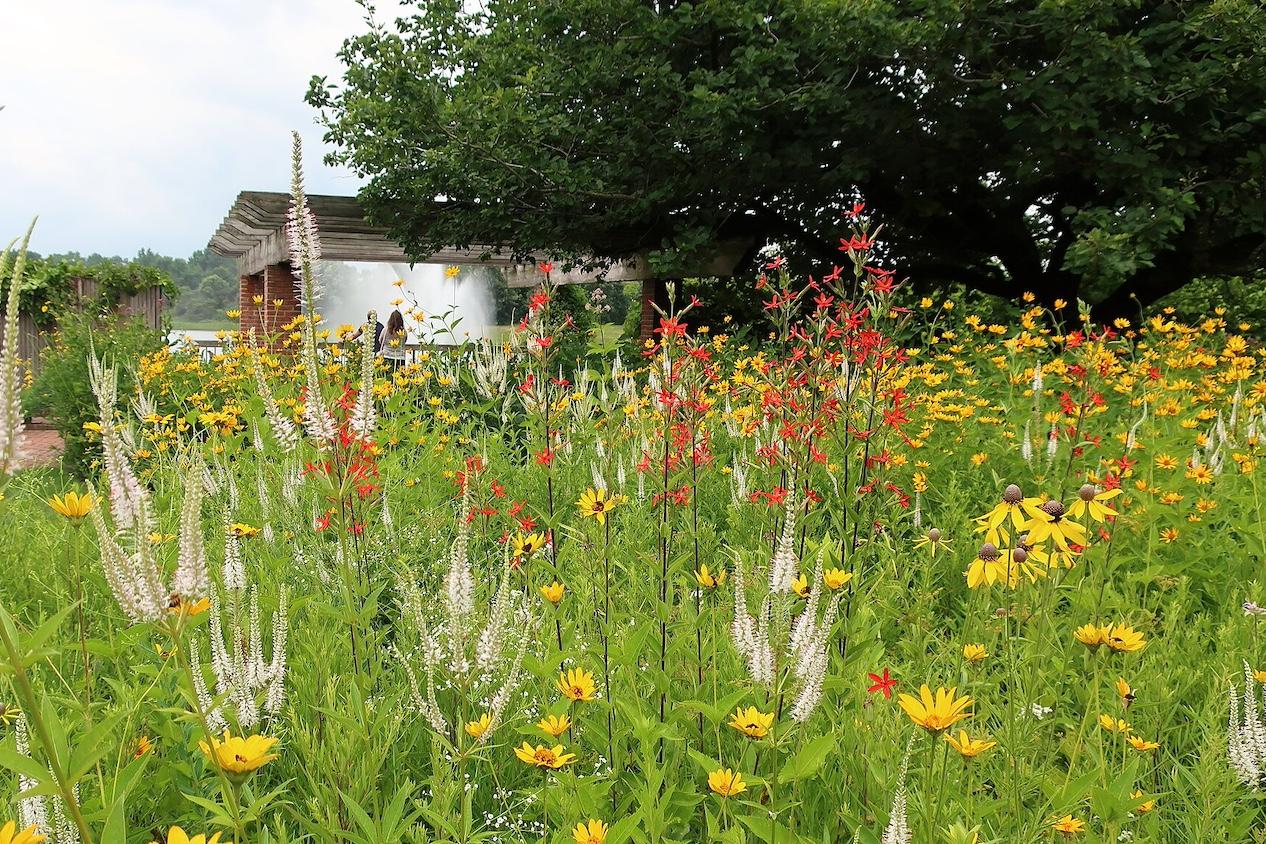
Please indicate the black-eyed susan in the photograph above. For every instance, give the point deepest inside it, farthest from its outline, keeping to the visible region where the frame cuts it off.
(725, 782)
(596, 503)
(176, 835)
(577, 685)
(1068, 825)
(479, 727)
(751, 722)
(525, 545)
(933, 542)
(243, 530)
(544, 756)
(239, 756)
(1142, 745)
(72, 505)
(593, 832)
(553, 592)
(1010, 507)
(142, 746)
(836, 578)
(935, 712)
(1092, 636)
(10, 834)
(1123, 638)
(968, 747)
(554, 725)
(801, 585)
(974, 652)
(1114, 725)
(1125, 692)
(707, 578)
(176, 605)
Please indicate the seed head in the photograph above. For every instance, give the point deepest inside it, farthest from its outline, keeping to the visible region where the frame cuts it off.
(1019, 555)
(934, 535)
(1053, 508)
(1087, 492)
(1012, 494)
(988, 552)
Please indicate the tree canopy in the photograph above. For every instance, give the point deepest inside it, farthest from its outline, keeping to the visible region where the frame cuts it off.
(1108, 151)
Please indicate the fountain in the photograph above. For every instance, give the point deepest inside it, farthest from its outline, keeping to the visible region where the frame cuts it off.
(446, 309)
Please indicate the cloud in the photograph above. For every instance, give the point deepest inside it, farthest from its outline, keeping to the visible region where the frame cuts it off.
(133, 124)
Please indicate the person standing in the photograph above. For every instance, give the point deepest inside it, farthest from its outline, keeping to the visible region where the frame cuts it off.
(372, 316)
(393, 340)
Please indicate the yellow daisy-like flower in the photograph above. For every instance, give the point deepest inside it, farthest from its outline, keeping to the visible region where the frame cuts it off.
(544, 756)
(480, 726)
(936, 713)
(1142, 745)
(726, 783)
(801, 585)
(1092, 635)
(1114, 725)
(1124, 691)
(176, 835)
(177, 605)
(577, 685)
(1068, 825)
(9, 834)
(1050, 521)
(1090, 502)
(143, 745)
(968, 747)
(525, 545)
(553, 592)
(554, 725)
(72, 505)
(594, 832)
(241, 529)
(596, 503)
(240, 755)
(1144, 807)
(1125, 639)
(836, 578)
(974, 652)
(709, 579)
(751, 722)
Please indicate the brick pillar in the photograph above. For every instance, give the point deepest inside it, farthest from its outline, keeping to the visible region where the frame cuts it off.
(654, 290)
(280, 302)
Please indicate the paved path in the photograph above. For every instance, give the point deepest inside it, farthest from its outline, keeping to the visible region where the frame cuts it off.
(39, 447)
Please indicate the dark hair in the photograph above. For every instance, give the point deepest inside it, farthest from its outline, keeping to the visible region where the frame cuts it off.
(395, 324)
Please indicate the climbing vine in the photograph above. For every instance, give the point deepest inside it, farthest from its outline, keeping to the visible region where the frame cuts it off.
(48, 286)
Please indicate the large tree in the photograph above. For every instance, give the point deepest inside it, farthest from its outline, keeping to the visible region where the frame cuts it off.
(1107, 149)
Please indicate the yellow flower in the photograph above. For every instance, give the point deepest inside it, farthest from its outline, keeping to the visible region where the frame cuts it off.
(726, 783)
(1068, 825)
(525, 545)
(450, 272)
(9, 834)
(479, 726)
(143, 745)
(240, 755)
(176, 835)
(554, 725)
(836, 578)
(1142, 745)
(72, 505)
(974, 653)
(1124, 691)
(935, 713)
(553, 592)
(543, 756)
(596, 503)
(1091, 635)
(594, 832)
(1145, 806)
(1050, 521)
(708, 579)
(1259, 676)
(801, 585)
(1113, 725)
(576, 685)
(240, 529)
(968, 747)
(751, 722)
(1125, 639)
(1090, 502)
(178, 606)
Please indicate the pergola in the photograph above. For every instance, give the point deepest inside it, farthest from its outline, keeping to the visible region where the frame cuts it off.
(254, 233)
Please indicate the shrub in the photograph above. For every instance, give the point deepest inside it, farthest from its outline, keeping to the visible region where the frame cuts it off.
(61, 390)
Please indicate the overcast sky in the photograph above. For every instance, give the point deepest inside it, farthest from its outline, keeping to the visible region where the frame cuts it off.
(134, 123)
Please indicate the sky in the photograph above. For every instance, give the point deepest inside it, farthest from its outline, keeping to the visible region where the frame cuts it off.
(131, 124)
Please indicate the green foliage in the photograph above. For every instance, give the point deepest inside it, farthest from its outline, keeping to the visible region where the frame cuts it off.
(61, 390)
(49, 291)
(1074, 149)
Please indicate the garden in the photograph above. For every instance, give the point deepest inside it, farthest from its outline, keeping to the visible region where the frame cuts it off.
(878, 570)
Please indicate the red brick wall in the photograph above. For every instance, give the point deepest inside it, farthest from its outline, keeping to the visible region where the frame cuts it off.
(653, 290)
(275, 284)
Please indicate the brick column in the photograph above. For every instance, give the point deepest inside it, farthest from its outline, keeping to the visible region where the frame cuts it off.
(654, 290)
(280, 301)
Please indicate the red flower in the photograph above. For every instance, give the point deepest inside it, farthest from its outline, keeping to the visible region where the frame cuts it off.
(546, 267)
(882, 684)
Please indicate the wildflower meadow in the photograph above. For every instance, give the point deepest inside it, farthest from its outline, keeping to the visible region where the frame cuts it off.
(876, 570)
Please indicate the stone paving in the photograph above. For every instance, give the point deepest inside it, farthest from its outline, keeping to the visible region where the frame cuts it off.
(39, 447)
